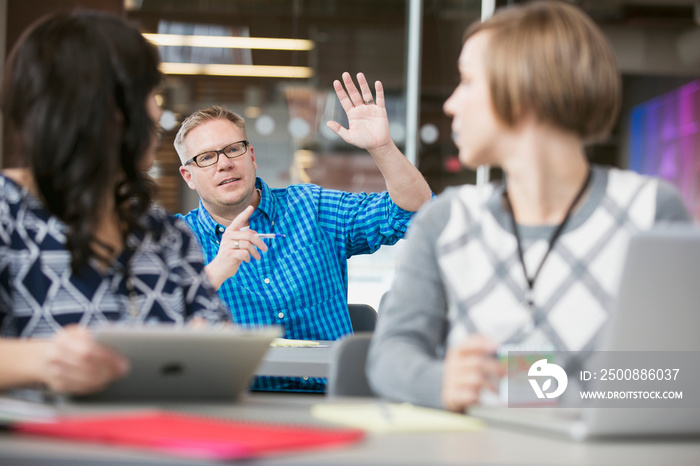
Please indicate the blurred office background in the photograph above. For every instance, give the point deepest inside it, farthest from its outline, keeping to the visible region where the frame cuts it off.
(221, 51)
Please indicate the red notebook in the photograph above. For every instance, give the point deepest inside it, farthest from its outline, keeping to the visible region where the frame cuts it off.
(192, 435)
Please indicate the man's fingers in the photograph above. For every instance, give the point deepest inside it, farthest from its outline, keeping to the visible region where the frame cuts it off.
(379, 90)
(337, 129)
(364, 87)
(352, 91)
(245, 241)
(239, 236)
(257, 242)
(343, 98)
(241, 219)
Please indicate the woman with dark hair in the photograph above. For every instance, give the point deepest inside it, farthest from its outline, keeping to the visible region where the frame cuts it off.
(80, 243)
(533, 261)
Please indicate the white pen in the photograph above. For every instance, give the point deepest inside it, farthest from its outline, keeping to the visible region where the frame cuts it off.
(270, 235)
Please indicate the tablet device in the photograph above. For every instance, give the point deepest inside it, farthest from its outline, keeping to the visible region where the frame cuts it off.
(175, 363)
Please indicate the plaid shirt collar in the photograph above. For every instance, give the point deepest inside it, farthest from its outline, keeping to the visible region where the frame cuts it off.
(268, 202)
(267, 207)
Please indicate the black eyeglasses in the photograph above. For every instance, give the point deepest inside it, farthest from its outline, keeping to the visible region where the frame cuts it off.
(210, 157)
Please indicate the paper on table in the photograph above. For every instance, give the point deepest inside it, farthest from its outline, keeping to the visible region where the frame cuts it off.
(12, 410)
(385, 417)
(287, 342)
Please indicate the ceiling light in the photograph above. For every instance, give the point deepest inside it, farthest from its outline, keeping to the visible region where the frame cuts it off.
(265, 43)
(260, 71)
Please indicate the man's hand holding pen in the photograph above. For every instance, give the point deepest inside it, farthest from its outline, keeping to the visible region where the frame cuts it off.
(238, 244)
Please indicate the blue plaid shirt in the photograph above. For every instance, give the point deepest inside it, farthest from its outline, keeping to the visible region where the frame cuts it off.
(301, 282)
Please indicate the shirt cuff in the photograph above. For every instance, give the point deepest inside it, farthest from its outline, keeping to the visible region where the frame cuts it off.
(401, 218)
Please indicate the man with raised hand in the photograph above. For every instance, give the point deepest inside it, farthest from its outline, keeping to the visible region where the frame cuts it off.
(301, 282)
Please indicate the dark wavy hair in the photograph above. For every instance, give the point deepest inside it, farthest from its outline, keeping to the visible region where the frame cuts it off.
(74, 97)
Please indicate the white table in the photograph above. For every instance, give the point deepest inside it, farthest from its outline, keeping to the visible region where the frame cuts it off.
(491, 446)
(290, 361)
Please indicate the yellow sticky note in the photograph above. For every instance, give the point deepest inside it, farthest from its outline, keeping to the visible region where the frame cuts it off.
(382, 417)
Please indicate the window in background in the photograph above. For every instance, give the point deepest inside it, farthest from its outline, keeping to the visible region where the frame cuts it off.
(187, 33)
(665, 141)
(286, 116)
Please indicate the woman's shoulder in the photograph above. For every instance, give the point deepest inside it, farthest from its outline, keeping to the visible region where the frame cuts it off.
(619, 178)
(165, 227)
(13, 182)
(20, 177)
(466, 196)
(627, 181)
(654, 197)
(17, 194)
(158, 219)
(463, 201)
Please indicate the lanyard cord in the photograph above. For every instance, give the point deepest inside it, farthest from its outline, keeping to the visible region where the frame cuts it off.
(555, 235)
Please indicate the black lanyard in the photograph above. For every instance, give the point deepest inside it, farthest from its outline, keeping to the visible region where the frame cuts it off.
(529, 301)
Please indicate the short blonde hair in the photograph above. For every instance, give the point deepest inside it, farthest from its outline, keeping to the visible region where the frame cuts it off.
(548, 59)
(214, 112)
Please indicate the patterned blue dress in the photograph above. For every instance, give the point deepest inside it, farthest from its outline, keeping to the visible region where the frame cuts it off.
(159, 277)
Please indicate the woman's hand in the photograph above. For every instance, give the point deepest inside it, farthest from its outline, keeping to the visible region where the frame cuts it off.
(73, 362)
(469, 367)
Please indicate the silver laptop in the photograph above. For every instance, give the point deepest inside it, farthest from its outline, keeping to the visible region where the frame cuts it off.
(657, 310)
(173, 363)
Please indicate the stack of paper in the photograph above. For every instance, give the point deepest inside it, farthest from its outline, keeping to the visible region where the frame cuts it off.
(12, 410)
(288, 342)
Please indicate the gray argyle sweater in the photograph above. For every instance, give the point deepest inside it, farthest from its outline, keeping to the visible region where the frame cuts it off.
(460, 274)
